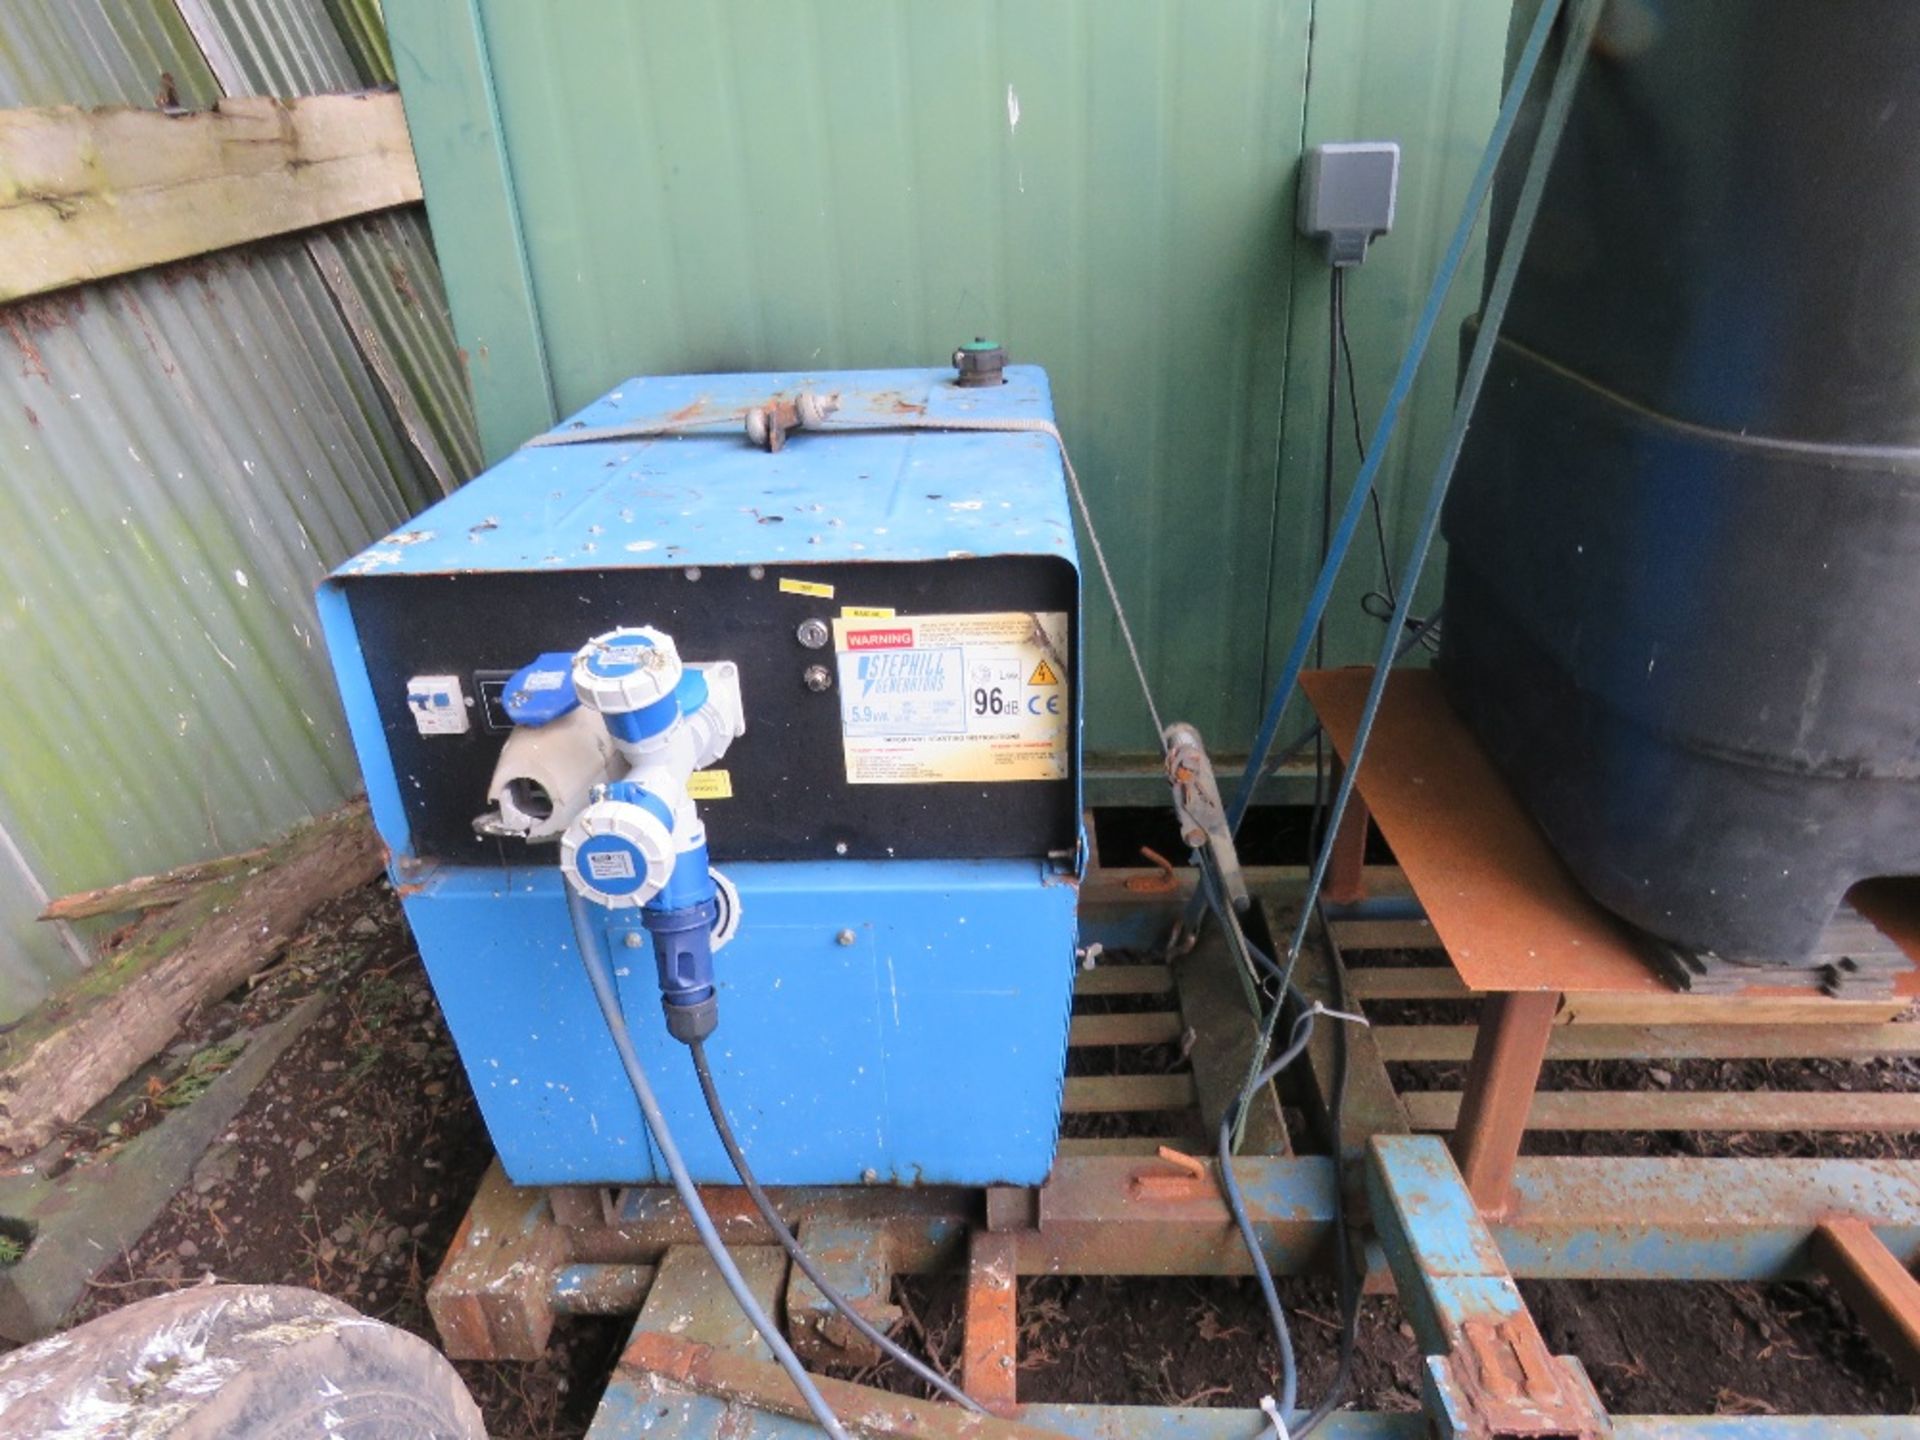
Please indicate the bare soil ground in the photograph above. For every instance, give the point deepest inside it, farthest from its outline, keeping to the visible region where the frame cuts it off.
(349, 1169)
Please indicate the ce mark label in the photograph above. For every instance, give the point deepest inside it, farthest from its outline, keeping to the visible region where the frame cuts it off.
(1043, 704)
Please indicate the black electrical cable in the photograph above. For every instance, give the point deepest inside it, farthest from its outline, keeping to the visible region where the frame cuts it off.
(1380, 604)
(724, 1128)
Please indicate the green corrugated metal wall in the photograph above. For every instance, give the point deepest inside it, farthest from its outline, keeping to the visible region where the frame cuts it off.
(187, 451)
(1106, 187)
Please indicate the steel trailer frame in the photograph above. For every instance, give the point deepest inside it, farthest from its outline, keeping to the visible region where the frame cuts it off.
(1117, 1208)
(1451, 1223)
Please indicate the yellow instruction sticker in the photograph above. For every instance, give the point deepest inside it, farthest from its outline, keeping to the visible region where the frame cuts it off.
(867, 612)
(805, 587)
(933, 699)
(710, 785)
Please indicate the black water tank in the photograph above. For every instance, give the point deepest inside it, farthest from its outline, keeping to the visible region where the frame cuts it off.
(1683, 590)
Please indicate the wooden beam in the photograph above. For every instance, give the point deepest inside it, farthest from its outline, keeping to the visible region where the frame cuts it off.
(1840, 1112)
(1371, 1107)
(89, 194)
(1214, 1000)
(1876, 1286)
(1124, 980)
(88, 1038)
(1361, 935)
(1439, 982)
(1094, 1094)
(1143, 1027)
(148, 892)
(1452, 1043)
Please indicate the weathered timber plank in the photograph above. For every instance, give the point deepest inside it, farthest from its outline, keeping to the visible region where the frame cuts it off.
(1622, 1110)
(1092, 1094)
(1213, 998)
(147, 892)
(1146, 1027)
(1439, 982)
(1124, 980)
(88, 194)
(1667, 1042)
(91, 1036)
(1370, 1106)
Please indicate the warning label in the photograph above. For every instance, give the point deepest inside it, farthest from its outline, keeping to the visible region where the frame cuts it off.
(937, 698)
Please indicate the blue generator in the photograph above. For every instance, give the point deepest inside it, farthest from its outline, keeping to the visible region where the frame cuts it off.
(775, 680)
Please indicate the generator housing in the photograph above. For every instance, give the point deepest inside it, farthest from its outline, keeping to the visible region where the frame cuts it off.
(893, 609)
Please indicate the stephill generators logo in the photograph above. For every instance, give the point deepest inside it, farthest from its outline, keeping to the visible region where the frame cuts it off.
(907, 672)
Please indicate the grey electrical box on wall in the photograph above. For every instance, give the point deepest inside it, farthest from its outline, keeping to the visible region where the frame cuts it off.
(1347, 190)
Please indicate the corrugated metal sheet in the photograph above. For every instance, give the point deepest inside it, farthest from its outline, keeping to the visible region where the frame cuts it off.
(298, 47)
(1107, 188)
(99, 52)
(186, 455)
(187, 452)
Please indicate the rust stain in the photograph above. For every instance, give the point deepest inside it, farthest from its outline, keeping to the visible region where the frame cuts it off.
(1162, 882)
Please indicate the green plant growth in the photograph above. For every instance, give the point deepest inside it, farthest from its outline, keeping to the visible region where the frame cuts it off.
(12, 1250)
(198, 1076)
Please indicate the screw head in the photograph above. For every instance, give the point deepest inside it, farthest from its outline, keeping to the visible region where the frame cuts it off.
(632, 940)
(817, 678)
(839, 847)
(845, 937)
(870, 1176)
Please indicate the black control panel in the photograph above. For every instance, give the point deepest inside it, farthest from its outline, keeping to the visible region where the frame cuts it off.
(791, 799)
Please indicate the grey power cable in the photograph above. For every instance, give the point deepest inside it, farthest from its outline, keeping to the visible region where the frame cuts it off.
(1289, 1398)
(724, 1128)
(601, 978)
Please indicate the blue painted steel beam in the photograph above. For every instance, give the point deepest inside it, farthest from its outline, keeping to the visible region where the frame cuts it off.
(633, 1407)
(1626, 1218)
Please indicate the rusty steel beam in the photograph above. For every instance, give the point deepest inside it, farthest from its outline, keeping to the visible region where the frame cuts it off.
(1507, 1053)
(856, 1256)
(1346, 881)
(926, 1224)
(1876, 1286)
(990, 1359)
